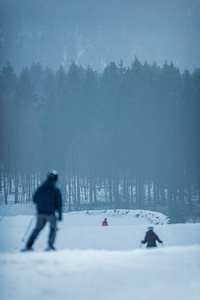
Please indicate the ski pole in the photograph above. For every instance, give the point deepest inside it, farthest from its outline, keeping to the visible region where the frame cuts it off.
(140, 245)
(28, 228)
(5, 212)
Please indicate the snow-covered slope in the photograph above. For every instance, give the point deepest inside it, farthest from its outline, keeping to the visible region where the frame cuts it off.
(95, 262)
(170, 273)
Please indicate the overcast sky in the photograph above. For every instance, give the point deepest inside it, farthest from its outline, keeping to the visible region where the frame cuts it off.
(96, 32)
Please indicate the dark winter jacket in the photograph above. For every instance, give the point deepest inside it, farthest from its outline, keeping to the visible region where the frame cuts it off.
(48, 198)
(151, 239)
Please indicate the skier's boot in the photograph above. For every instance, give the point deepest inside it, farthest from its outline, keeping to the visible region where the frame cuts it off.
(27, 249)
(50, 247)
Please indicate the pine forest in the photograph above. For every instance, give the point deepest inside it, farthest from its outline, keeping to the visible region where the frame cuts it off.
(126, 137)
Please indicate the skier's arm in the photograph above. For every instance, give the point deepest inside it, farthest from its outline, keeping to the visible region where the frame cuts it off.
(144, 241)
(157, 238)
(59, 203)
(35, 197)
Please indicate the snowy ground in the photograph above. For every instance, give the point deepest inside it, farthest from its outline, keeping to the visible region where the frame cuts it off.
(95, 262)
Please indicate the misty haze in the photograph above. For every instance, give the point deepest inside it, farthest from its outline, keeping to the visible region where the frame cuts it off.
(107, 94)
(95, 33)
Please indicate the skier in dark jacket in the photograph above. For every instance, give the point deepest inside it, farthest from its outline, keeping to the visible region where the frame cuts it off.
(48, 199)
(151, 238)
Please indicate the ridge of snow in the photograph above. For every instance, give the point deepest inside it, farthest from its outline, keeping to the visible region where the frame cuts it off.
(151, 217)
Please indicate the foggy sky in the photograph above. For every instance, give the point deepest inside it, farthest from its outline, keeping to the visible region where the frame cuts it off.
(96, 32)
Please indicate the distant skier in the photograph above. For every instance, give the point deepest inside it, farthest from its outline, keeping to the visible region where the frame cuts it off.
(48, 200)
(151, 238)
(105, 223)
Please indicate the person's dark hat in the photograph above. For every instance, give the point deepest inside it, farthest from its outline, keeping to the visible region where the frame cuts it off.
(150, 228)
(53, 175)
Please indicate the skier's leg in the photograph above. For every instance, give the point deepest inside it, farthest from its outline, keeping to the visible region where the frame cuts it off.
(41, 221)
(52, 234)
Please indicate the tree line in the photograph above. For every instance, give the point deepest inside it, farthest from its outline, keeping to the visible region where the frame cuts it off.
(125, 138)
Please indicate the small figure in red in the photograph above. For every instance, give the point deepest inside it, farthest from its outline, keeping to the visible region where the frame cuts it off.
(105, 223)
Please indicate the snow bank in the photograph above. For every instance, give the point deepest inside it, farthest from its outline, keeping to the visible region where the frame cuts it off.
(137, 216)
(140, 216)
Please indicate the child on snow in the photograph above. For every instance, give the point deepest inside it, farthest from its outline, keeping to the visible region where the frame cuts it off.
(151, 238)
(105, 223)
